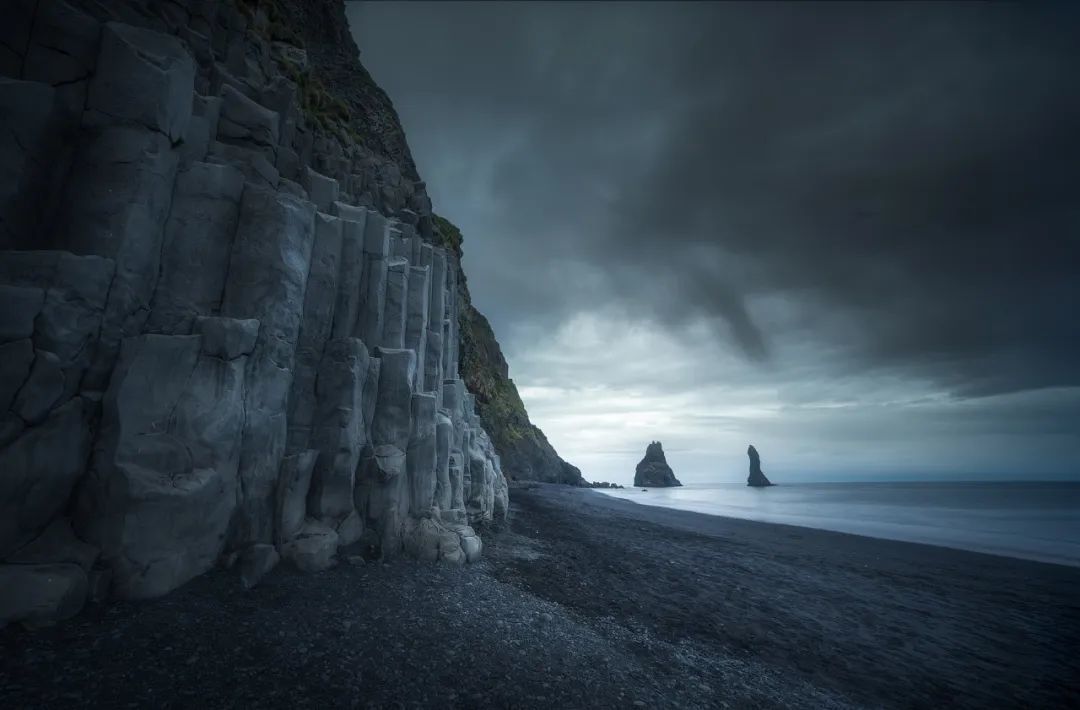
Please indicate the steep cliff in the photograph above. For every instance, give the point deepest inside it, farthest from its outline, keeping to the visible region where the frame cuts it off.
(231, 328)
(525, 451)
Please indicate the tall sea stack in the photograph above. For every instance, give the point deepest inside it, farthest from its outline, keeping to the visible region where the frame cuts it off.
(757, 478)
(653, 470)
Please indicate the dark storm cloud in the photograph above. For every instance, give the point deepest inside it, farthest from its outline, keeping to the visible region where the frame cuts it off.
(905, 177)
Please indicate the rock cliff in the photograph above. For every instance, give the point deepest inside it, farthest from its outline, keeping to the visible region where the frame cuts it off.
(525, 451)
(523, 448)
(653, 470)
(232, 327)
(756, 478)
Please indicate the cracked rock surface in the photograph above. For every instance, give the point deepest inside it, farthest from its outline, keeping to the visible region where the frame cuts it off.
(228, 325)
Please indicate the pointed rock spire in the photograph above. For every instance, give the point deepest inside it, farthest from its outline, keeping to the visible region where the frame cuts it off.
(757, 478)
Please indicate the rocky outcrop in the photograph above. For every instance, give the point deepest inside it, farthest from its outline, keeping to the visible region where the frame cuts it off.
(525, 451)
(653, 470)
(756, 478)
(395, 186)
(229, 327)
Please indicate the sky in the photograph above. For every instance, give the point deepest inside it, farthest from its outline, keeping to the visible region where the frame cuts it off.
(846, 233)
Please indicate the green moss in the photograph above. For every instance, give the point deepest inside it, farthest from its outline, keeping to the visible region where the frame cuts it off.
(321, 108)
(525, 451)
(451, 235)
(319, 104)
(277, 27)
(496, 395)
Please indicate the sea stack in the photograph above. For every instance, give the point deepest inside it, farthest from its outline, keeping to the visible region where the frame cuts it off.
(653, 470)
(757, 478)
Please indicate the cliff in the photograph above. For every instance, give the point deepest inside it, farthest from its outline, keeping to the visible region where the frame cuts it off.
(523, 448)
(525, 451)
(653, 470)
(232, 330)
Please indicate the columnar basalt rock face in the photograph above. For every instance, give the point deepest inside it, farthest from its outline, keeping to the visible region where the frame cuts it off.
(653, 470)
(267, 281)
(198, 240)
(396, 300)
(161, 487)
(339, 434)
(373, 280)
(226, 334)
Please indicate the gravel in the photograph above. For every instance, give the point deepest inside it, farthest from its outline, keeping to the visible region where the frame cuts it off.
(576, 604)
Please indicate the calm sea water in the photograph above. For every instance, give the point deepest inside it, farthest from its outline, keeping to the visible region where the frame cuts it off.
(1039, 521)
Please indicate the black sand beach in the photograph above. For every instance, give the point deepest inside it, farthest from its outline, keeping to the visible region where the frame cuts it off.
(586, 601)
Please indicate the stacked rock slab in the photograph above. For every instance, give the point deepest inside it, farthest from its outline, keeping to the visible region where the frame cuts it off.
(221, 335)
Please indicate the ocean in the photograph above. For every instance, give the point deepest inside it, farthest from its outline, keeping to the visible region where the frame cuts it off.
(1038, 521)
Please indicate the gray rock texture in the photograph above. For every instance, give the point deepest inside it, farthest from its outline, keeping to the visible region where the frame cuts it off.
(290, 496)
(41, 468)
(313, 549)
(268, 273)
(653, 470)
(57, 544)
(339, 433)
(41, 595)
(143, 77)
(197, 246)
(757, 478)
(245, 122)
(34, 136)
(255, 562)
(230, 331)
(168, 450)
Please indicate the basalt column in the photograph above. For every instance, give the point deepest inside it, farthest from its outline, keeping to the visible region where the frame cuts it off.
(226, 337)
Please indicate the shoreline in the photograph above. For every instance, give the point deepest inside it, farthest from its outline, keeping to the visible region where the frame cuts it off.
(878, 622)
(585, 601)
(914, 538)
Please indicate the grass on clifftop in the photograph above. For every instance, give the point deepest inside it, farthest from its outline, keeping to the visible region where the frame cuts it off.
(495, 393)
(451, 235)
(320, 106)
(270, 21)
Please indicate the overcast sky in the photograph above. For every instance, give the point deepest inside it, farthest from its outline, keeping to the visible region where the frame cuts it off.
(848, 234)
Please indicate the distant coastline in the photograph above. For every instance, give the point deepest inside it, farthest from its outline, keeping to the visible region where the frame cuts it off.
(1037, 520)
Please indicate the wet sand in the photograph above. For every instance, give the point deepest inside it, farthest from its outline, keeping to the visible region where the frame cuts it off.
(586, 601)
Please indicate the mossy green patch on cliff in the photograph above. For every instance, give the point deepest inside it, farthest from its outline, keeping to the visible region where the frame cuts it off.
(525, 451)
(451, 235)
(321, 107)
(324, 109)
(270, 21)
(495, 392)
